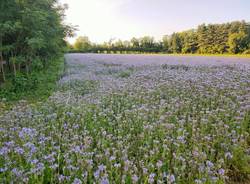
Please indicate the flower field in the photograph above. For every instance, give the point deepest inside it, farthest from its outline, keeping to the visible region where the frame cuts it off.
(134, 119)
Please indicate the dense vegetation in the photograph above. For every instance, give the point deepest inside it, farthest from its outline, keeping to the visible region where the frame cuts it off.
(31, 41)
(232, 38)
(125, 120)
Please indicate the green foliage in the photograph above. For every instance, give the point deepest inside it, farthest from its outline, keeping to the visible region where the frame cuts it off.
(31, 35)
(175, 43)
(228, 38)
(145, 44)
(22, 83)
(237, 42)
(190, 42)
(125, 73)
(79, 87)
(37, 85)
(166, 44)
(239, 170)
(246, 51)
(82, 44)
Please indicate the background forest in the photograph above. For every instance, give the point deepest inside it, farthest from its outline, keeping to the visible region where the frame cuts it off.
(232, 38)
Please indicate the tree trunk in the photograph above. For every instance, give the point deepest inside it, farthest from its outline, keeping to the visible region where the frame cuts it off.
(13, 63)
(27, 66)
(14, 68)
(2, 67)
(1, 58)
(18, 67)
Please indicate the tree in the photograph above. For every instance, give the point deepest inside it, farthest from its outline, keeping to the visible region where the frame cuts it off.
(119, 46)
(231, 37)
(237, 42)
(189, 41)
(175, 43)
(165, 42)
(82, 44)
(135, 43)
(203, 41)
(31, 34)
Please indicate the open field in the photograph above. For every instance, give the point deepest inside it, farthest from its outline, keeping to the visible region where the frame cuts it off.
(206, 55)
(217, 55)
(134, 119)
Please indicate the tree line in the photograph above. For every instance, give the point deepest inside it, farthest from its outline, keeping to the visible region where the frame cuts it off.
(32, 33)
(232, 38)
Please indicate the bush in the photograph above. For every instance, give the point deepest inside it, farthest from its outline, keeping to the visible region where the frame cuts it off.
(37, 85)
(22, 83)
(247, 51)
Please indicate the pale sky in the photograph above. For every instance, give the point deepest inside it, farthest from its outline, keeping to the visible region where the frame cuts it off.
(101, 20)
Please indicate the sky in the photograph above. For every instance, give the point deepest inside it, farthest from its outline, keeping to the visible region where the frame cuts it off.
(102, 20)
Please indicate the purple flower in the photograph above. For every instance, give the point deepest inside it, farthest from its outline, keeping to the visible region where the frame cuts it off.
(101, 167)
(61, 178)
(209, 164)
(54, 167)
(3, 170)
(10, 144)
(39, 168)
(50, 158)
(135, 179)
(228, 155)
(145, 170)
(76, 149)
(4, 151)
(105, 181)
(31, 147)
(151, 178)
(42, 140)
(181, 139)
(77, 181)
(17, 172)
(112, 158)
(159, 164)
(90, 162)
(171, 178)
(221, 172)
(201, 168)
(19, 150)
(27, 132)
(35, 161)
(197, 181)
(97, 174)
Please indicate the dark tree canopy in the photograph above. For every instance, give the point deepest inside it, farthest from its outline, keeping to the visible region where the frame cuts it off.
(31, 33)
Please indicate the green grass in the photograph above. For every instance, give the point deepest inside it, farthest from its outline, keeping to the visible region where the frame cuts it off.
(126, 73)
(79, 87)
